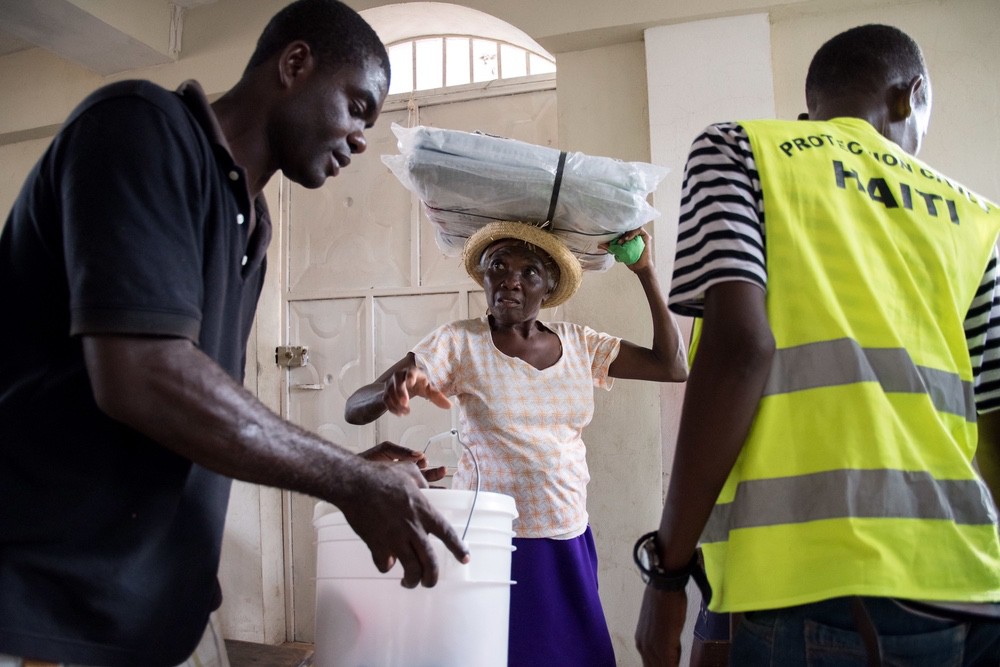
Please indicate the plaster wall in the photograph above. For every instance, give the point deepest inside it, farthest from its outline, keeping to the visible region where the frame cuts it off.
(958, 38)
(602, 111)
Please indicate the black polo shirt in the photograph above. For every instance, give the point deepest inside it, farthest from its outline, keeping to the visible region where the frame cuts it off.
(134, 221)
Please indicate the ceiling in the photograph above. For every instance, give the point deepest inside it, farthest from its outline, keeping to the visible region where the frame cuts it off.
(104, 36)
(11, 44)
(112, 36)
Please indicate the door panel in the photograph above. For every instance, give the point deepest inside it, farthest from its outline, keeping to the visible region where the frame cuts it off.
(333, 330)
(400, 323)
(366, 282)
(341, 349)
(348, 234)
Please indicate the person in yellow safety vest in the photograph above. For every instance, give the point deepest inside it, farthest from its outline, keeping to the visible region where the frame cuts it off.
(826, 457)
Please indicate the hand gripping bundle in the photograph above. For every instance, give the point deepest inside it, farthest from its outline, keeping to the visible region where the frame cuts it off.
(468, 180)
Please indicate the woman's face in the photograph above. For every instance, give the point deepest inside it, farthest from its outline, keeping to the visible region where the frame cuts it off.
(517, 279)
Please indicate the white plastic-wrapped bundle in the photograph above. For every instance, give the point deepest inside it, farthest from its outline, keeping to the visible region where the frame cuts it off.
(467, 180)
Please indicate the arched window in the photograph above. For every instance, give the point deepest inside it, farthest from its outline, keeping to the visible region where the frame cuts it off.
(434, 45)
(457, 60)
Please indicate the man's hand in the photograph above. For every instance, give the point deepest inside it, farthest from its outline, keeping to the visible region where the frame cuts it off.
(395, 520)
(407, 382)
(388, 452)
(658, 633)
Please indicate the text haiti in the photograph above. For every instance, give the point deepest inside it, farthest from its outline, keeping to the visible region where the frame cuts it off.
(877, 188)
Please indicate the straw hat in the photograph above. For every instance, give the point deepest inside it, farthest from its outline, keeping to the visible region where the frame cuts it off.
(570, 272)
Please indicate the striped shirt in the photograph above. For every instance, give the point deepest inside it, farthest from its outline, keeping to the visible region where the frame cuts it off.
(721, 238)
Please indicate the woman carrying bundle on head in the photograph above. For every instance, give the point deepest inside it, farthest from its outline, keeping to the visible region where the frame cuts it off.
(525, 393)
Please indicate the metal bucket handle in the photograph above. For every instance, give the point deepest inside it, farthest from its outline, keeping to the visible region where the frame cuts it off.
(454, 433)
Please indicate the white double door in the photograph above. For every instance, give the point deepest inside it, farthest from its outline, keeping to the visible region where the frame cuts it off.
(364, 281)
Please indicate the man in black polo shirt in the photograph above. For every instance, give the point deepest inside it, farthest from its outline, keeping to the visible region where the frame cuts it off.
(131, 265)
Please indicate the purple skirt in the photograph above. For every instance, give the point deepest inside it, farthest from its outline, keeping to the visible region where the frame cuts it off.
(556, 619)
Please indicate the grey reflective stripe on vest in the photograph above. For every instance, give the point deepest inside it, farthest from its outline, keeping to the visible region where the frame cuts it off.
(844, 361)
(839, 494)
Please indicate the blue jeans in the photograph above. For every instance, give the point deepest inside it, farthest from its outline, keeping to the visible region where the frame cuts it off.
(825, 634)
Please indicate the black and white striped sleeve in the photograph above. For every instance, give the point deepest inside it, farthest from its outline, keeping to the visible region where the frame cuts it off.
(982, 331)
(720, 235)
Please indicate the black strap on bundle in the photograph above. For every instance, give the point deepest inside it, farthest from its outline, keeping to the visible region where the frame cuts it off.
(555, 187)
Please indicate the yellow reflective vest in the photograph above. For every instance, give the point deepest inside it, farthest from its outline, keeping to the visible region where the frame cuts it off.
(856, 477)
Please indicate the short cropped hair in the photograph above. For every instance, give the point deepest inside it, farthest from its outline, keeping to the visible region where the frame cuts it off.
(336, 33)
(863, 60)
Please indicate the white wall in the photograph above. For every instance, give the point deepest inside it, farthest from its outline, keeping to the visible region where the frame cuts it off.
(623, 441)
(959, 41)
(693, 80)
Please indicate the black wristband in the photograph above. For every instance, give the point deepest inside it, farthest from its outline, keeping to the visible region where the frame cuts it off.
(647, 559)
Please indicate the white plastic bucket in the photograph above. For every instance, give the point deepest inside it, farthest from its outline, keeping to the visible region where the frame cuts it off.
(365, 618)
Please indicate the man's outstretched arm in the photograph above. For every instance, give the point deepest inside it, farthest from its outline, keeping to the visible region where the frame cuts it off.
(168, 390)
(725, 385)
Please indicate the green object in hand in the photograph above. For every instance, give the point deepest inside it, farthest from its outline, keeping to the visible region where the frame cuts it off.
(628, 252)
